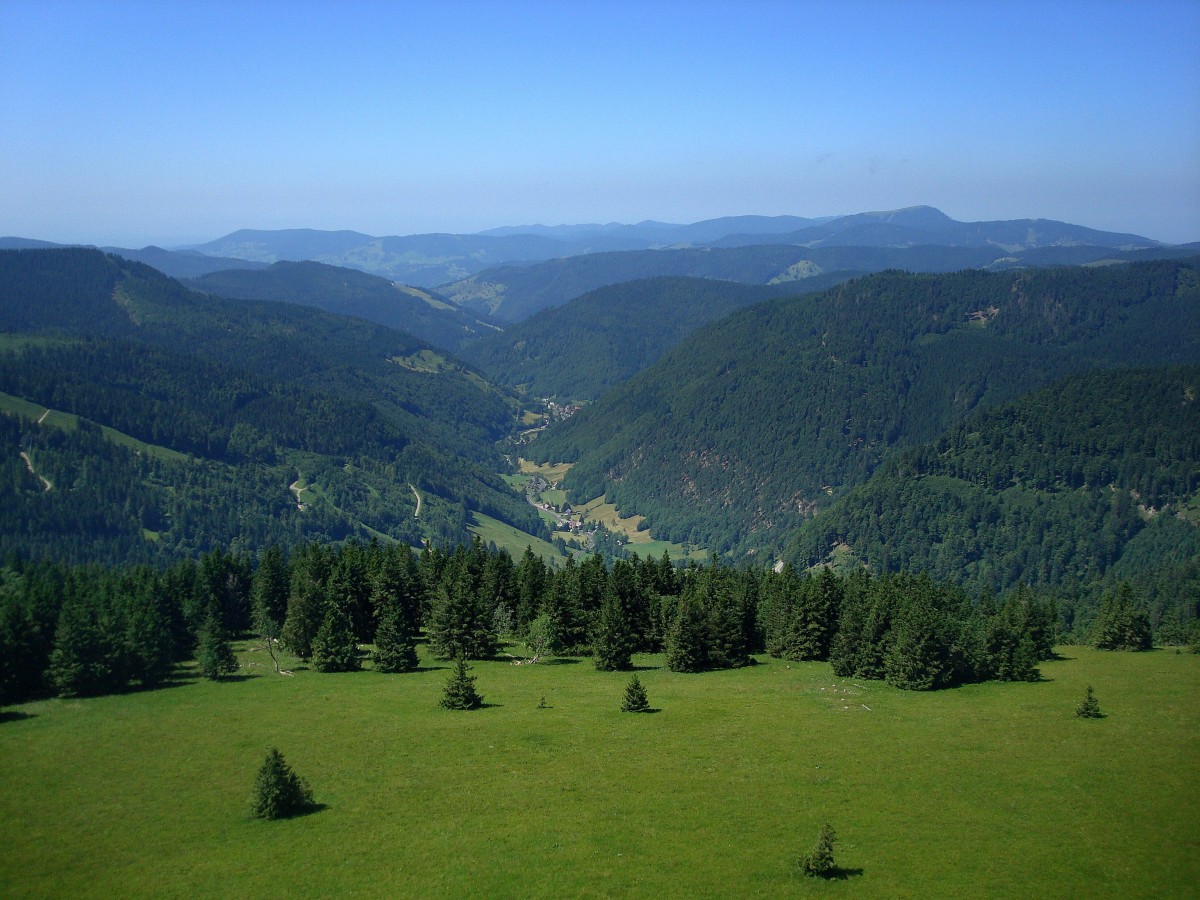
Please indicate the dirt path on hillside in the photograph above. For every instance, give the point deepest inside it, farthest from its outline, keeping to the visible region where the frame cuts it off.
(417, 514)
(295, 488)
(46, 484)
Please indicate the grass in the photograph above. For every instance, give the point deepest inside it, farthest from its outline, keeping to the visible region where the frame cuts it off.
(52, 418)
(512, 539)
(991, 790)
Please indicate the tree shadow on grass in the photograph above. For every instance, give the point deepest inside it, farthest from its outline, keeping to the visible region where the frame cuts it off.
(559, 661)
(643, 668)
(840, 873)
(15, 715)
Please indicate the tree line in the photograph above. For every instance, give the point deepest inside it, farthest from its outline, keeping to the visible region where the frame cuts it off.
(86, 630)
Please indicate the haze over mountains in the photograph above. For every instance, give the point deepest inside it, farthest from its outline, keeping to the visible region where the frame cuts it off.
(760, 387)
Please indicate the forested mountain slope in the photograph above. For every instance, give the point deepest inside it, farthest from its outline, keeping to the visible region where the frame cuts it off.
(512, 293)
(754, 423)
(228, 417)
(1064, 485)
(578, 350)
(349, 292)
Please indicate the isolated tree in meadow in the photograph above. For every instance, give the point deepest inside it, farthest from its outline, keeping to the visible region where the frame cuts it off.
(335, 649)
(635, 697)
(818, 863)
(278, 791)
(1090, 707)
(214, 653)
(460, 692)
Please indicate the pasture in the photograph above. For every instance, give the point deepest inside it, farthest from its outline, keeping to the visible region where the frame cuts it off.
(993, 790)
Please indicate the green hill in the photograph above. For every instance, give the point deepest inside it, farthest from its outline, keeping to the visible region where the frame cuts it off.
(299, 424)
(1064, 485)
(578, 350)
(756, 422)
(349, 292)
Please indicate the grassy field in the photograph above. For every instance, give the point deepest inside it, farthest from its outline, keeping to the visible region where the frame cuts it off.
(987, 791)
(512, 539)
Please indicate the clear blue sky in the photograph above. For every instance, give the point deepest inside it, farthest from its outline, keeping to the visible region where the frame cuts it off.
(130, 123)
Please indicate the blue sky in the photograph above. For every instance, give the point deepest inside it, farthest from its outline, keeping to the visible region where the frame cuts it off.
(131, 123)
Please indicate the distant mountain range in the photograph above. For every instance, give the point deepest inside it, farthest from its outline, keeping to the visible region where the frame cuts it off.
(430, 260)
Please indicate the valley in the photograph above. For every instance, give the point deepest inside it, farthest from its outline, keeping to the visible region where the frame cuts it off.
(827, 508)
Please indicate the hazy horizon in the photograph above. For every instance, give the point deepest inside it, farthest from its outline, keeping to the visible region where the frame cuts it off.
(127, 124)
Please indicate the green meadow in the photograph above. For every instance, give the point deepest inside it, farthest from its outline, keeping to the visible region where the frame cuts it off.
(990, 790)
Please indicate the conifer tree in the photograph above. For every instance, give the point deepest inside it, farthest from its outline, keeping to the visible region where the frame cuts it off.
(1120, 624)
(612, 644)
(460, 692)
(635, 697)
(335, 649)
(84, 659)
(395, 639)
(461, 625)
(818, 863)
(686, 651)
(214, 653)
(269, 588)
(278, 791)
(1090, 707)
(305, 610)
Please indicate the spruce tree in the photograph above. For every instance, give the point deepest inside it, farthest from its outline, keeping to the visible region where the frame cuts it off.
(334, 648)
(214, 653)
(278, 791)
(819, 862)
(612, 644)
(1090, 707)
(395, 639)
(460, 690)
(462, 625)
(635, 697)
(686, 649)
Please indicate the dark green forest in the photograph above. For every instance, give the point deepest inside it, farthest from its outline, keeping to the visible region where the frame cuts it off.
(348, 292)
(751, 425)
(77, 631)
(580, 349)
(258, 396)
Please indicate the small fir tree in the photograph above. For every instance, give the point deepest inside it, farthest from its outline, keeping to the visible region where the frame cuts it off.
(460, 690)
(818, 863)
(1090, 707)
(278, 791)
(214, 653)
(635, 697)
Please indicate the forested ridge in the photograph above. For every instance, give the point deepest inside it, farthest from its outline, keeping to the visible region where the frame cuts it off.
(1092, 476)
(753, 424)
(348, 292)
(578, 350)
(263, 396)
